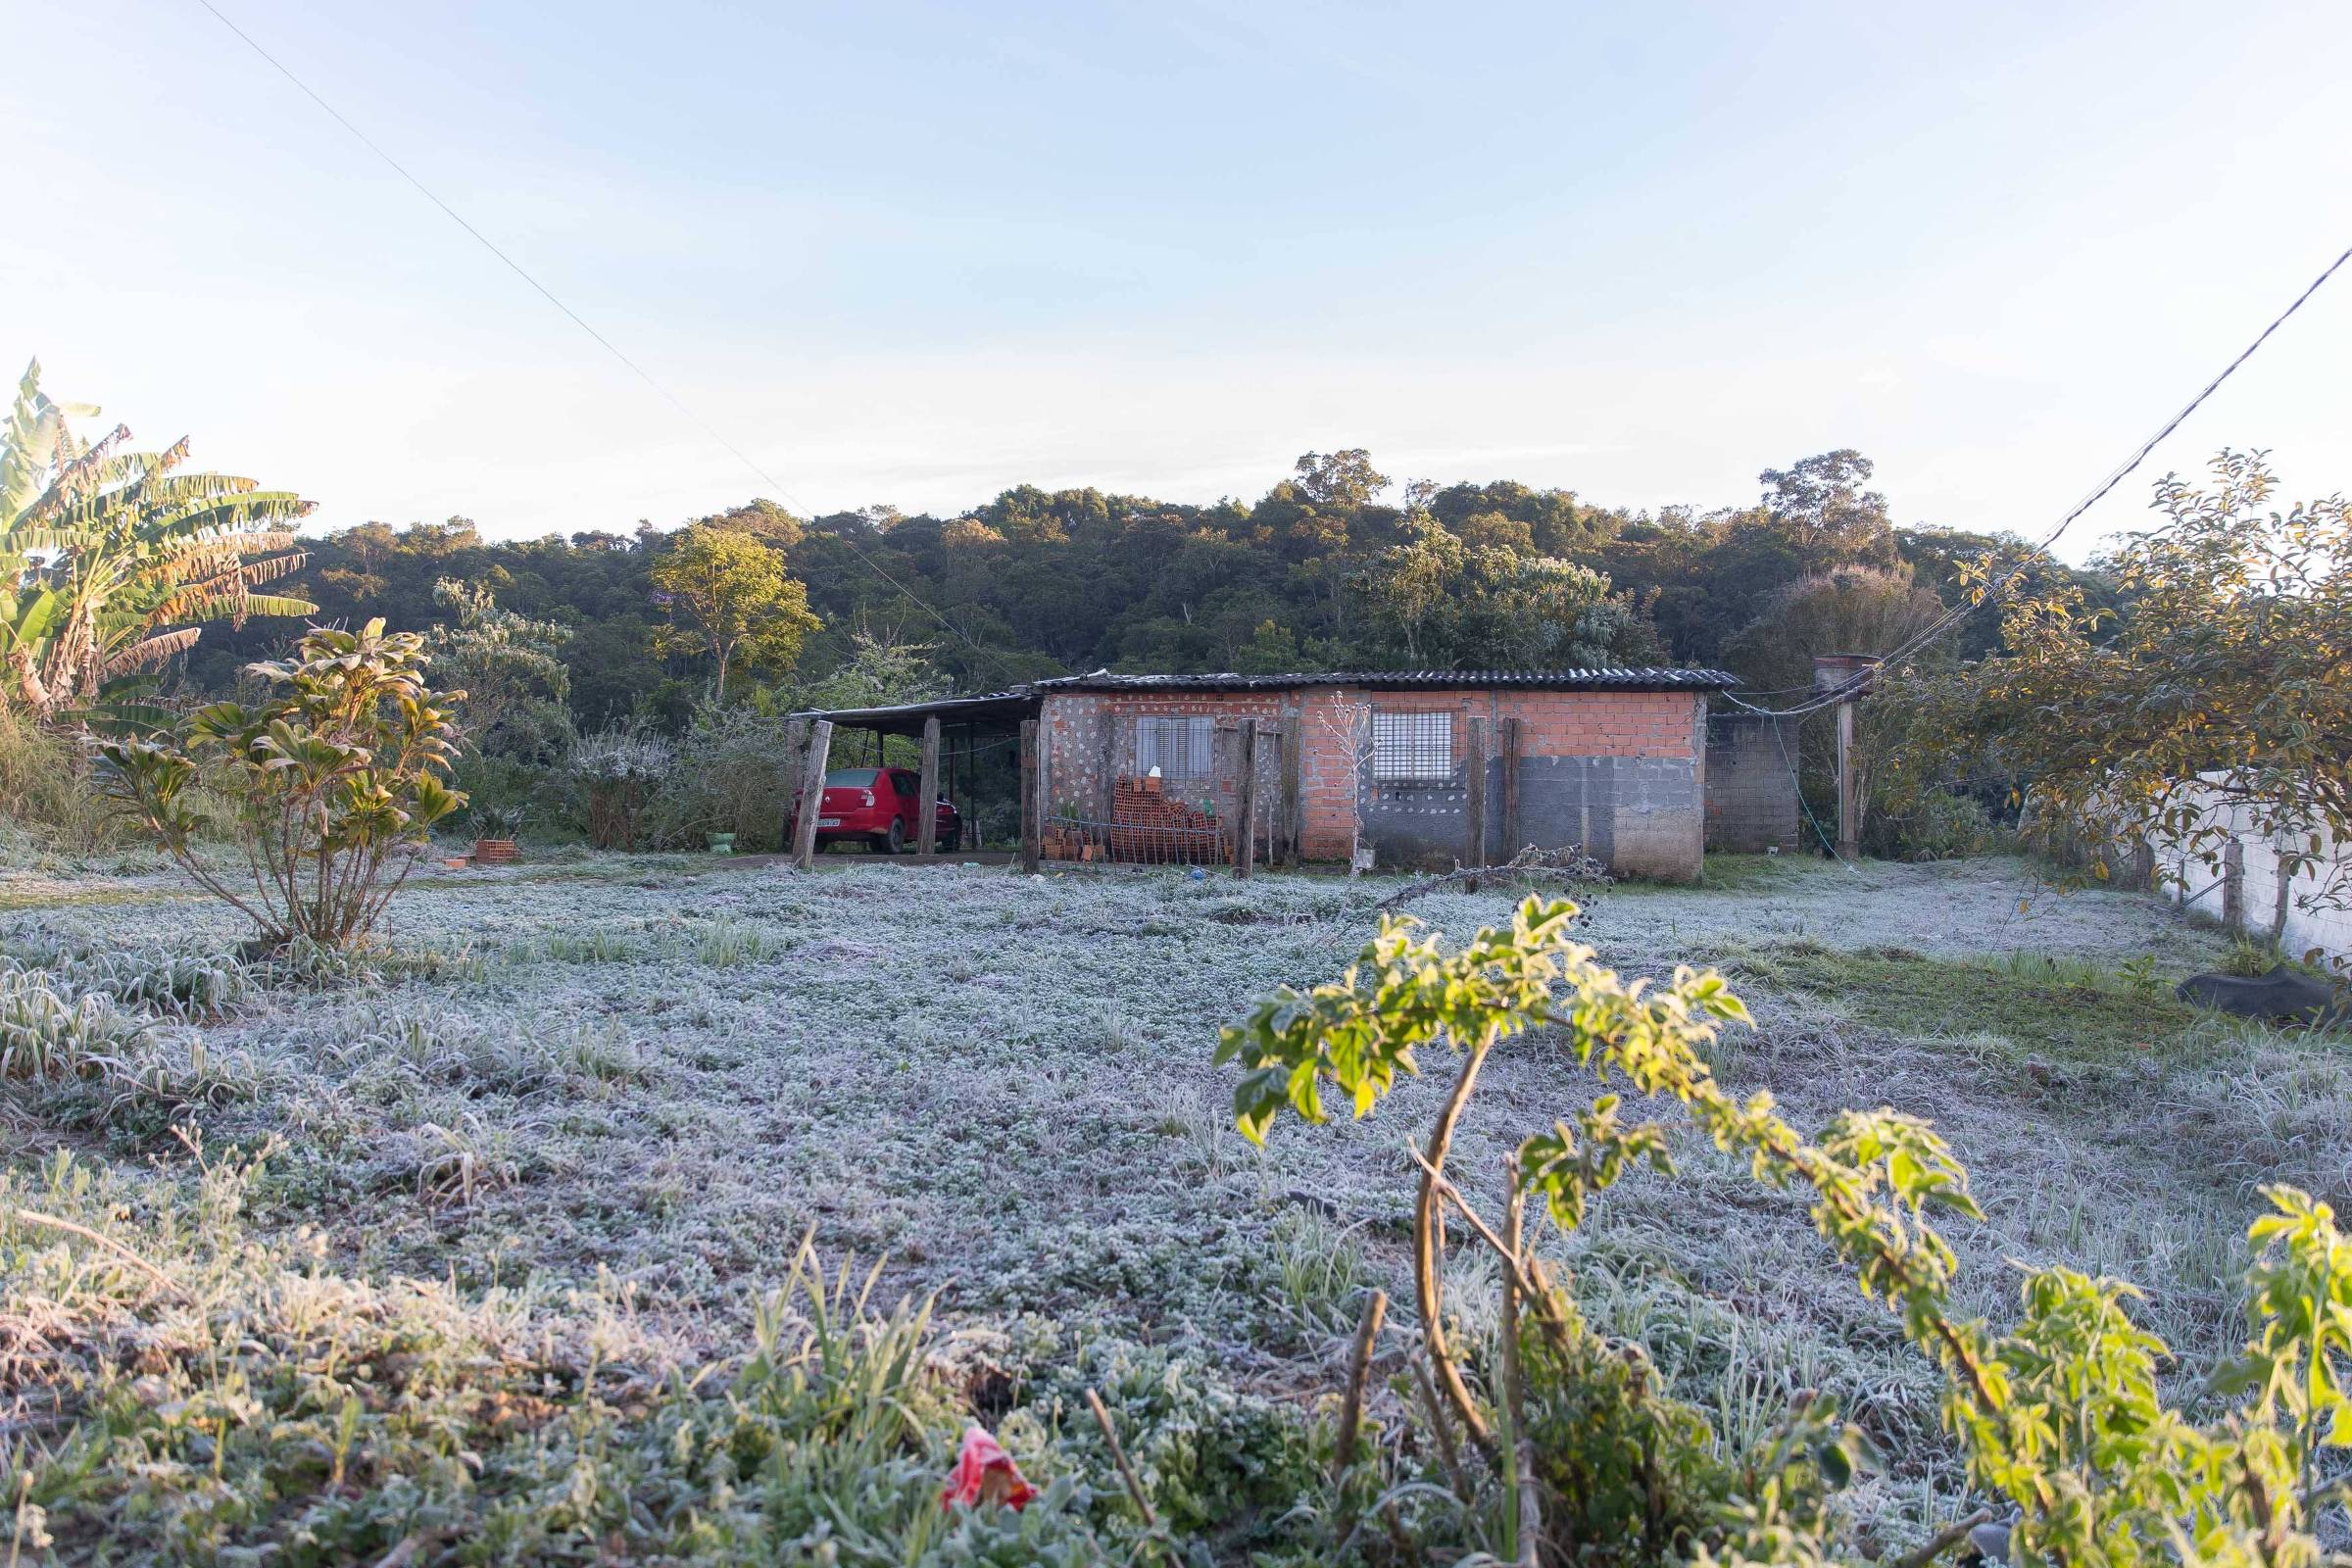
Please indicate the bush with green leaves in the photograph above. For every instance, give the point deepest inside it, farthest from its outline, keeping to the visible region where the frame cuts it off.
(1936, 826)
(2061, 1417)
(331, 784)
(733, 772)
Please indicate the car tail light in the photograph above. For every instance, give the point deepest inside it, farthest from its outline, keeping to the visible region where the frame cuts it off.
(869, 797)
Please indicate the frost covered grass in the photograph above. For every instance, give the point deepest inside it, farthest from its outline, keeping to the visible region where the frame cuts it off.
(599, 1107)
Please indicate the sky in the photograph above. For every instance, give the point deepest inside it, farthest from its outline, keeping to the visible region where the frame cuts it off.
(914, 253)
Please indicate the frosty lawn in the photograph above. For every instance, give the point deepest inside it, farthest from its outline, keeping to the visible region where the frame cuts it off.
(653, 1076)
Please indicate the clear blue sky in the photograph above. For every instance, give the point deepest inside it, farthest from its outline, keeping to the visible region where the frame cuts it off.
(915, 253)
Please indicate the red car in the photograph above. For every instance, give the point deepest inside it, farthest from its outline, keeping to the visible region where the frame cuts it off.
(879, 805)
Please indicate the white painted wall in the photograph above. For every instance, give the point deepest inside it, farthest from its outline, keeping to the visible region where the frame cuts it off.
(2326, 929)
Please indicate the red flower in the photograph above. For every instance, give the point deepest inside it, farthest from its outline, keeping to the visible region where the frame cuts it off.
(985, 1473)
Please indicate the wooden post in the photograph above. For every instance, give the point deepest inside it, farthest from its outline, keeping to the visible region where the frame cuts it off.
(812, 793)
(1849, 798)
(1512, 841)
(1033, 821)
(795, 746)
(1474, 796)
(1293, 760)
(926, 833)
(2233, 883)
(1244, 800)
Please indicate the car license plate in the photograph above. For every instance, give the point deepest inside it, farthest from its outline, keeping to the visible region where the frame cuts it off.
(828, 822)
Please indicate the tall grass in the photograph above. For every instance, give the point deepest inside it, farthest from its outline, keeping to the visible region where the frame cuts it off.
(45, 788)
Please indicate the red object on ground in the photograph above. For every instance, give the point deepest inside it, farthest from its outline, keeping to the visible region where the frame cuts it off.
(985, 1473)
(880, 806)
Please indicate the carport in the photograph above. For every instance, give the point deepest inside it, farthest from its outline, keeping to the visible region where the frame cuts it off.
(954, 732)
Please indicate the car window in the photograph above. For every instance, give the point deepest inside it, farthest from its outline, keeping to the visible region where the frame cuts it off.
(910, 786)
(850, 778)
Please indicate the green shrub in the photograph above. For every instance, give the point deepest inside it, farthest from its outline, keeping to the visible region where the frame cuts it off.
(1937, 825)
(732, 772)
(331, 785)
(610, 778)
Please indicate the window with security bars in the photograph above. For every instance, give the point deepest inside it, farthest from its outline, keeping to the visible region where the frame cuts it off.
(1180, 747)
(1413, 747)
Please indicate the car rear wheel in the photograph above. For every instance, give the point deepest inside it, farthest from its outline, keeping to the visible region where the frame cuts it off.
(894, 841)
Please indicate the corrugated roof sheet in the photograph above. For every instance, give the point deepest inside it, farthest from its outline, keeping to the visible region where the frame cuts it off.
(1005, 705)
(1649, 679)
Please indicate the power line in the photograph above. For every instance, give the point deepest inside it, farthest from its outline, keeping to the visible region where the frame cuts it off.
(1849, 686)
(581, 322)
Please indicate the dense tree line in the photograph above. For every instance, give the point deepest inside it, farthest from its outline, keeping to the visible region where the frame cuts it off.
(1321, 572)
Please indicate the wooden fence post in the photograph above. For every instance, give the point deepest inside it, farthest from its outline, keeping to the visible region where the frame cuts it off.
(1033, 821)
(812, 793)
(796, 747)
(1849, 791)
(2233, 883)
(1474, 798)
(1512, 842)
(926, 832)
(1245, 799)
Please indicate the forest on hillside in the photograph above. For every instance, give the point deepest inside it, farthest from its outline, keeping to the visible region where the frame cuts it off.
(1333, 567)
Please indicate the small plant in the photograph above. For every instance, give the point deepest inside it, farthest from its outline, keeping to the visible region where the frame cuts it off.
(497, 821)
(46, 1034)
(331, 784)
(456, 1165)
(2249, 958)
(186, 986)
(611, 776)
(725, 942)
(2139, 975)
(596, 944)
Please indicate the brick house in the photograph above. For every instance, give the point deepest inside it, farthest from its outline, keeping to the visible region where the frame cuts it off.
(1613, 760)
(1149, 766)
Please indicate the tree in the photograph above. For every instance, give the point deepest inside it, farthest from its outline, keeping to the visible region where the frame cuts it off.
(1339, 478)
(111, 562)
(323, 784)
(738, 604)
(2228, 684)
(1820, 505)
(881, 671)
(1442, 601)
(515, 683)
(1854, 609)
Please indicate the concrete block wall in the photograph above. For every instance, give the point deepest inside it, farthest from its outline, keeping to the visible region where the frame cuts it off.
(1752, 787)
(1618, 773)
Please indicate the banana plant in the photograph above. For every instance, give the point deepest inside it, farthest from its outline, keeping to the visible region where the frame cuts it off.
(112, 561)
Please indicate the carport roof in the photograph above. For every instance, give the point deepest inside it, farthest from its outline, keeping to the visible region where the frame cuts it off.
(907, 718)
